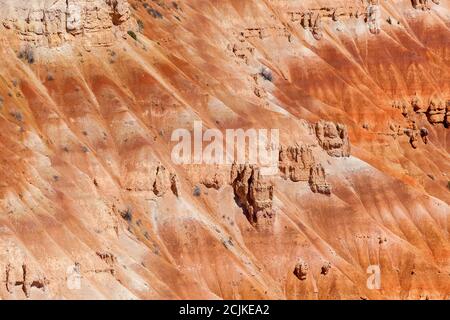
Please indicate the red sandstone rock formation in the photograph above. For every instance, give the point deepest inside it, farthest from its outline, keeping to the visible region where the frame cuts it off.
(317, 180)
(301, 270)
(333, 138)
(295, 162)
(253, 193)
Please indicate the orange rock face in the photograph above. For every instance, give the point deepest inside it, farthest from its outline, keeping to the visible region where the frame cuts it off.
(93, 205)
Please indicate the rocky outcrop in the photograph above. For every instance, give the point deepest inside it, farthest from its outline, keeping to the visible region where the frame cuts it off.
(301, 270)
(253, 194)
(298, 164)
(53, 23)
(436, 112)
(412, 131)
(325, 268)
(333, 138)
(295, 162)
(165, 181)
(311, 19)
(317, 180)
(424, 135)
(162, 181)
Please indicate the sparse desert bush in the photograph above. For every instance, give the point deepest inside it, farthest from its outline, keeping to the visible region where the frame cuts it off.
(127, 215)
(140, 25)
(154, 13)
(266, 74)
(17, 115)
(112, 56)
(26, 53)
(197, 192)
(132, 34)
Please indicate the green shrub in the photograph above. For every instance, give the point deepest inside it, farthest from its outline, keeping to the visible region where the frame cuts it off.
(132, 34)
(127, 215)
(27, 54)
(154, 13)
(140, 25)
(197, 192)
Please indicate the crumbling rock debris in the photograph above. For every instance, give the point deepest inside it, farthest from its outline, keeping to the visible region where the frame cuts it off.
(333, 138)
(317, 180)
(165, 181)
(325, 268)
(253, 193)
(301, 270)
